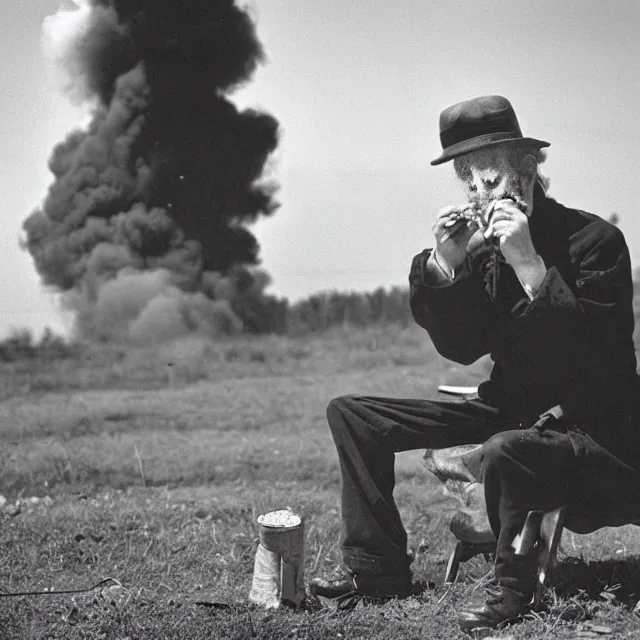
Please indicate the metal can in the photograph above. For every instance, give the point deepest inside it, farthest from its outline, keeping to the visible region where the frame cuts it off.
(278, 575)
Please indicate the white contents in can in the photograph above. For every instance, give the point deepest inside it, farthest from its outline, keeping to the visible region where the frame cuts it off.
(280, 518)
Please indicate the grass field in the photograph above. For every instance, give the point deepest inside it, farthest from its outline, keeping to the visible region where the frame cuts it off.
(151, 467)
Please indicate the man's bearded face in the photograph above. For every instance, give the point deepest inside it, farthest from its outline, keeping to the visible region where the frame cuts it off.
(491, 174)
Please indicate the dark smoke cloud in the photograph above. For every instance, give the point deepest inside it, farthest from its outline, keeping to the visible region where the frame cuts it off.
(156, 194)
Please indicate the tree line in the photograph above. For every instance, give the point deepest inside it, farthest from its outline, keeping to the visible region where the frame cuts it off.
(262, 313)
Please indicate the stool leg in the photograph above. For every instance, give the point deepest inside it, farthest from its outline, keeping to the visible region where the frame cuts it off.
(453, 566)
(525, 541)
(551, 528)
(465, 551)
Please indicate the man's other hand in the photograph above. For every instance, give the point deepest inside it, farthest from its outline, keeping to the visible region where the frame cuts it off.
(454, 234)
(511, 227)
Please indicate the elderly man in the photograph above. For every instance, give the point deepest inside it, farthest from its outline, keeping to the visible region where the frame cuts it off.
(547, 291)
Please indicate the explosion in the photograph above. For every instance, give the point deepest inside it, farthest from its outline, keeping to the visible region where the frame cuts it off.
(144, 228)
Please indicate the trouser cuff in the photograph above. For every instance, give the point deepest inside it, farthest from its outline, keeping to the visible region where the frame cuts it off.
(362, 562)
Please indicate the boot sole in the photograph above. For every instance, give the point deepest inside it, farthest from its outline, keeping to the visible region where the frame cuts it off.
(482, 631)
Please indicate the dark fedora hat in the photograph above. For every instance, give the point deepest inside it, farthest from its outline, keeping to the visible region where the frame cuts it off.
(479, 123)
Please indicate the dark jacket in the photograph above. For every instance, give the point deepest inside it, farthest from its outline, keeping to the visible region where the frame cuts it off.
(571, 345)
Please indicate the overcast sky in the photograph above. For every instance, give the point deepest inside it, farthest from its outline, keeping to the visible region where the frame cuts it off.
(358, 87)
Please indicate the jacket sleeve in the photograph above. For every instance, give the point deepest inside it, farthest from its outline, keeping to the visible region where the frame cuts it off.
(456, 314)
(577, 334)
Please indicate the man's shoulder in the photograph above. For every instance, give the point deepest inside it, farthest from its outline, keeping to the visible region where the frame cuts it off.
(587, 230)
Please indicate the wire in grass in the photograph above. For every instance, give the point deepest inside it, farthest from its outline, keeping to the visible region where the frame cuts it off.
(15, 594)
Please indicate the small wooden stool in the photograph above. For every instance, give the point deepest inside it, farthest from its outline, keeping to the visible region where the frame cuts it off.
(540, 528)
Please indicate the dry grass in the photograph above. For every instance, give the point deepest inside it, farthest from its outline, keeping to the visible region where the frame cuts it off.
(159, 461)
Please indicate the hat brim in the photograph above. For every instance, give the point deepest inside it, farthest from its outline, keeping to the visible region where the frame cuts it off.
(481, 142)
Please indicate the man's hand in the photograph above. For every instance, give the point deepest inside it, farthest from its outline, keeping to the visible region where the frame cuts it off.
(511, 227)
(455, 235)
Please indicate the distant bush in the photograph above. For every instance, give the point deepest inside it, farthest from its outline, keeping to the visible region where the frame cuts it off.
(17, 346)
(322, 311)
(21, 345)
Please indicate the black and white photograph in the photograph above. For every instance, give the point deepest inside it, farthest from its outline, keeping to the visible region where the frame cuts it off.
(318, 320)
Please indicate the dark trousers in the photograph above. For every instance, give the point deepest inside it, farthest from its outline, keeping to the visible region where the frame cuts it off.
(522, 470)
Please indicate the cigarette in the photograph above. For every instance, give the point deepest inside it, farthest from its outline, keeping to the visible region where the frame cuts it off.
(461, 215)
(471, 213)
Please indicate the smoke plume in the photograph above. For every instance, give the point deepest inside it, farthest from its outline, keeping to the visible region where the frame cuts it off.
(144, 228)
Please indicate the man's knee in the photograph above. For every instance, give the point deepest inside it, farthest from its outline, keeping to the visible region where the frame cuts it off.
(338, 408)
(500, 446)
(529, 447)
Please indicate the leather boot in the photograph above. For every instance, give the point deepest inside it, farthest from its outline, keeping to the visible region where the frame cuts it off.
(354, 587)
(492, 606)
(507, 596)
